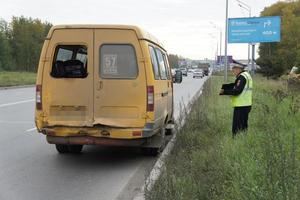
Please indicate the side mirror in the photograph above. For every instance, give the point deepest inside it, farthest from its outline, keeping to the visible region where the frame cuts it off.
(178, 76)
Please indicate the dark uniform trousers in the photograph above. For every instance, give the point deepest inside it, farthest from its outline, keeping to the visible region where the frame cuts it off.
(240, 119)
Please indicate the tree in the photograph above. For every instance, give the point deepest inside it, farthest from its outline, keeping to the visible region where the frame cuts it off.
(5, 50)
(173, 60)
(21, 42)
(27, 37)
(277, 58)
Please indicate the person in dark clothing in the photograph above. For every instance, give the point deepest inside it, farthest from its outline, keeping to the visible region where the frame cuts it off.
(241, 98)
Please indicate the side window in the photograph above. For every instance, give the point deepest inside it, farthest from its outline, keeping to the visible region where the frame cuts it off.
(70, 61)
(154, 63)
(167, 65)
(118, 61)
(161, 63)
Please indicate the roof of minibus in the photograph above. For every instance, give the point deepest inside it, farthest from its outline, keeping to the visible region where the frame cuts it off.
(141, 34)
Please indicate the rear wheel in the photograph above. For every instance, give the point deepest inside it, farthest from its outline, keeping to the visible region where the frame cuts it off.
(150, 151)
(75, 148)
(157, 145)
(61, 148)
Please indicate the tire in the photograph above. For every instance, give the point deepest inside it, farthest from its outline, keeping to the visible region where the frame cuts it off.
(150, 151)
(154, 151)
(75, 148)
(61, 148)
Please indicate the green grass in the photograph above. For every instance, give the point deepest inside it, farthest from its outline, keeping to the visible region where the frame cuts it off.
(207, 163)
(16, 78)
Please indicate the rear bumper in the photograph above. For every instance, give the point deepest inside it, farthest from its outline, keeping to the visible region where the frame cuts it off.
(89, 140)
(197, 75)
(101, 135)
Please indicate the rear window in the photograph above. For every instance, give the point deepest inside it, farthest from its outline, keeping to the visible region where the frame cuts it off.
(154, 62)
(118, 61)
(70, 61)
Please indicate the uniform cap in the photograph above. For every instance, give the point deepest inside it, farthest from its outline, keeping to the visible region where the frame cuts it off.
(238, 66)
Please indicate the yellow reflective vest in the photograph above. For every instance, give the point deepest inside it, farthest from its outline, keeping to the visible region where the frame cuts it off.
(245, 98)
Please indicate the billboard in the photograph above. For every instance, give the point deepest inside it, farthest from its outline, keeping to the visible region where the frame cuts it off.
(221, 60)
(254, 29)
(182, 63)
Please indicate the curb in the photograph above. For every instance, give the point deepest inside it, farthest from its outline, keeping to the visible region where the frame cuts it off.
(159, 165)
(16, 87)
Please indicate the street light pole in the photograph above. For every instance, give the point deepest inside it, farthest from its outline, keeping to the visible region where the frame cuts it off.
(221, 34)
(215, 54)
(226, 42)
(221, 44)
(247, 8)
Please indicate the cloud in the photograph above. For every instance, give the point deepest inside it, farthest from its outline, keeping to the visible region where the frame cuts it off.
(183, 25)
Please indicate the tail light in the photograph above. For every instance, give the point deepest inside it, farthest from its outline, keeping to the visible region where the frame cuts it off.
(38, 97)
(150, 98)
(136, 133)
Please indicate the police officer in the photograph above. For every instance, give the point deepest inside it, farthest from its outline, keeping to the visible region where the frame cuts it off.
(241, 98)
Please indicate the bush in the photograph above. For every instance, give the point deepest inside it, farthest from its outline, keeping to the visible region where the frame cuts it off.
(16, 78)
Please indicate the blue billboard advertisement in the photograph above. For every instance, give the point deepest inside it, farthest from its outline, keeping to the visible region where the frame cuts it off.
(254, 29)
(221, 59)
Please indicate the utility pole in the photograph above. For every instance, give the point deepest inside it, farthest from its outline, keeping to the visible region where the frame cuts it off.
(226, 42)
(253, 59)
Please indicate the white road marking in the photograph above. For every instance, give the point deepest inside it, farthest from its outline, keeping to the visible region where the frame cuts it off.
(32, 129)
(15, 103)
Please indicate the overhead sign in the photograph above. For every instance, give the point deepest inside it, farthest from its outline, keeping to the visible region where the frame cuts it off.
(254, 29)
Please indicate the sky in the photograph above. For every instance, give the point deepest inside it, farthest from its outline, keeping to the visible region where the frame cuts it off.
(185, 27)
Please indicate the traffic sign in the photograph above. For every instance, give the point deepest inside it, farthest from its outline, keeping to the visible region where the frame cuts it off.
(254, 29)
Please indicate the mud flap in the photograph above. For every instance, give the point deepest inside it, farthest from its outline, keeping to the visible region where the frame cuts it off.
(155, 144)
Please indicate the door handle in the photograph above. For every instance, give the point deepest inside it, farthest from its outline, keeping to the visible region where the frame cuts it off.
(164, 94)
(100, 85)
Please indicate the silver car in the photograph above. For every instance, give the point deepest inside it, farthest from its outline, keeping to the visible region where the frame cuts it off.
(198, 73)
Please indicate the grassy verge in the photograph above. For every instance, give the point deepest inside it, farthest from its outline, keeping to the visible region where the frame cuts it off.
(207, 163)
(16, 78)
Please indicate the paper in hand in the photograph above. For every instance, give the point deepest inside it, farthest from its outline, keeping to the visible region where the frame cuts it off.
(228, 86)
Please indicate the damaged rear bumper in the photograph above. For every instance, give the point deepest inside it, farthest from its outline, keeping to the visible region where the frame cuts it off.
(89, 140)
(110, 136)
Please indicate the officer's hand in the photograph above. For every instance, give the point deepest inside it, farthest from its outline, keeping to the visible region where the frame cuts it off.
(221, 92)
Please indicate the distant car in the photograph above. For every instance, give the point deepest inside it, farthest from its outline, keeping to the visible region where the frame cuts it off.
(294, 70)
(184, 71)
(190, 71)
(198, 73)
(206, 71)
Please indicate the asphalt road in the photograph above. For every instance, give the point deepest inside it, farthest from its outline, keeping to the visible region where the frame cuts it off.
(32, 169)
